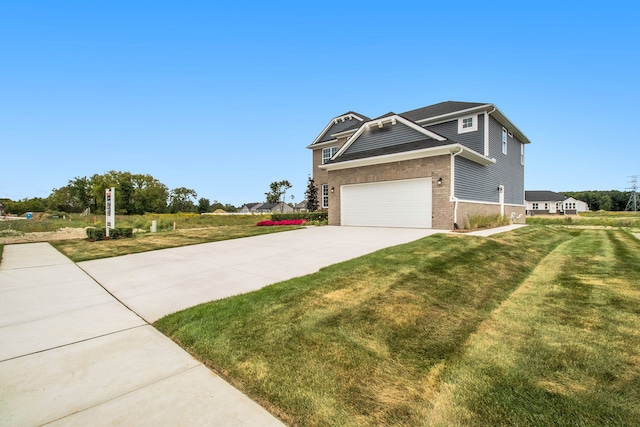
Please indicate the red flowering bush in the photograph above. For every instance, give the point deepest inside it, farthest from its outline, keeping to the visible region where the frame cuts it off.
(282, 222)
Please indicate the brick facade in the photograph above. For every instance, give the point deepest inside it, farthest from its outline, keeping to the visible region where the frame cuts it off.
(434, 167)
(321, 176)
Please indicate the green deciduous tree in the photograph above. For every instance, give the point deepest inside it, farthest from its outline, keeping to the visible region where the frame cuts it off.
(182, 199)
(277, 191)
(203, 205)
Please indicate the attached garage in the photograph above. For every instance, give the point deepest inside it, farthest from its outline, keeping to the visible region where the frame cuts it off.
(402, 203)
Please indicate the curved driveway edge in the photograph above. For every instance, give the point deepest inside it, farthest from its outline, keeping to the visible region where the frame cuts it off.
(154, 284)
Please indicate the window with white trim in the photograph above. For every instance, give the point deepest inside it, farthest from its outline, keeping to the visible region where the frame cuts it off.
(534, 206)
(546, 206)
(325, 195)
(522, 154)
(504, 141)
(468, 124)
(327, 153)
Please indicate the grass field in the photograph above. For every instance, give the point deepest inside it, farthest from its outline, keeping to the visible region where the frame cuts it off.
(592, 219)
(190, 229)
(82, 250)
(540, 326)
(45, 222)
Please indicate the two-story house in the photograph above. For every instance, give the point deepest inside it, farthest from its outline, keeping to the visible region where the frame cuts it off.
(431, 167)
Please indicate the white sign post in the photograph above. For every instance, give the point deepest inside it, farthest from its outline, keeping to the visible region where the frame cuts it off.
(110, 208)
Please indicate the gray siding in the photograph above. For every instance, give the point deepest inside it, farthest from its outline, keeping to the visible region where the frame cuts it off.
(473, 140)
(388, 136)
(339, 127)
(480, 183)
(475, 182)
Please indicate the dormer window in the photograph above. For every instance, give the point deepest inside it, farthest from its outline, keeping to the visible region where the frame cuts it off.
(468, 124)
(327, 154)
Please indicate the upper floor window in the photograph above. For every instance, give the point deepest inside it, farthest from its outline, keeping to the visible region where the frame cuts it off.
(522, 154)
(467, 124)
(534, 206)
(327, 153)
(504, 141)
(325, 195)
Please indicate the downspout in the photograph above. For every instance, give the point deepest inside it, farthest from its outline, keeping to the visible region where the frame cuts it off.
(452, 196)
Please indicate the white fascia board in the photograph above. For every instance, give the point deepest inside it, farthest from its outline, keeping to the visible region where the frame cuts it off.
(410, 155)
(474, 156)
(446, 117)
(334, 121)
(322, 144)
(420, 129)
(504, 121)
(390, 119)
(344, 133)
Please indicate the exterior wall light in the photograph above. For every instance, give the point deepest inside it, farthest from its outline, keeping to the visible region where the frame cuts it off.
(440, 181)
(332, 188)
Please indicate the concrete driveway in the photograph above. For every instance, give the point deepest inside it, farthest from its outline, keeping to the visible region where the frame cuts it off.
(154, 284)
(72, 354)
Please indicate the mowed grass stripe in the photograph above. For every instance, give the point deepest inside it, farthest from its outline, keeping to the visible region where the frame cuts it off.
(563, 350)
(362, 342)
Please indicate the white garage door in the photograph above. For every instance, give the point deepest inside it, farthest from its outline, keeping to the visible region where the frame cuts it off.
(405, 203)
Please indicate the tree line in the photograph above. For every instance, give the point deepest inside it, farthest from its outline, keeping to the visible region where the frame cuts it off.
(611, 200)
(136, 194)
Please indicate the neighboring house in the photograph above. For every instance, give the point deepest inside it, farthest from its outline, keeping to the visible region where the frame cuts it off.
(301, 207)
(431, 167)
(2, 212)
(276, 208)
(249, 207)
(263, 208)
(549, 202)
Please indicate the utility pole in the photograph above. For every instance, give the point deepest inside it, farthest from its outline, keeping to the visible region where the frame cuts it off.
(634, 203)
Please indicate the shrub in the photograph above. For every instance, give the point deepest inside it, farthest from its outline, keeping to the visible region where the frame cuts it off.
(118, 233)
(308, 216)
(486, 221)
(94, 234)
(282, 222)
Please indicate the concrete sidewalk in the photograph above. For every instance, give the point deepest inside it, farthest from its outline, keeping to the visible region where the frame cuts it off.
(71, 354)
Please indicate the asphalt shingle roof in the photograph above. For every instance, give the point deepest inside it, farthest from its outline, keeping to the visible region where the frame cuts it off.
(543, 196)
(439, 109)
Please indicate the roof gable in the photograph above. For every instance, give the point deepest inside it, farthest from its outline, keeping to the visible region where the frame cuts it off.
(385, 132)
(386, 135)
(347, 121)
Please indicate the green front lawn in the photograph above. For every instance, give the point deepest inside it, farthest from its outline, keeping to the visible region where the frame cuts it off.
(540, 326)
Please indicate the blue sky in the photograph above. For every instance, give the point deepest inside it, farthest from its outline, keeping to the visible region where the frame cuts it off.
(224, 99)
